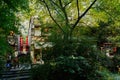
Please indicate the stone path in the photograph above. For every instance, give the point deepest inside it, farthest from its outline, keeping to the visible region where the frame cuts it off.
(21, 73)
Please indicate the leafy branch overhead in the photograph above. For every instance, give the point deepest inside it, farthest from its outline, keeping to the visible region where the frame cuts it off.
(60, 7)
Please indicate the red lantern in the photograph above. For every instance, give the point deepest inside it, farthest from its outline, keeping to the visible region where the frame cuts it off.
(21, 43)
(27, 47)
(26, 40)
(114, 49)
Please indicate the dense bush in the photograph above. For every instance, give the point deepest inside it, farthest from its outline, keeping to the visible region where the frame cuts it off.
(2, 64)
(72, 60)
(67, 68)
(114, 63)
(41, 72)
(75, 68)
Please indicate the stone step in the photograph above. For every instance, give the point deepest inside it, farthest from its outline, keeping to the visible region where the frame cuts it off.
(17, 78)
(15, 75)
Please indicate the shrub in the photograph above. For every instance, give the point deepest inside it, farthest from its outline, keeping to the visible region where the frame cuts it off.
(67, 68)
(2, 62)
(41, 72)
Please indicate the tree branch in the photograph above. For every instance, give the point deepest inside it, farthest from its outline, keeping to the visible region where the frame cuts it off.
(68, 3)
(60, 2)
(53, 4)
(52, 17)
(80, 17)
(110, 15)
(78, 8)
(63, 10)
(65, 13)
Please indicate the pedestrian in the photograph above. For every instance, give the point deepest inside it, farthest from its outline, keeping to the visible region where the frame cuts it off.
(8, 61)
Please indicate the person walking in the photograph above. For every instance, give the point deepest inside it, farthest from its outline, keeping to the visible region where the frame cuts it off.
(8, 61)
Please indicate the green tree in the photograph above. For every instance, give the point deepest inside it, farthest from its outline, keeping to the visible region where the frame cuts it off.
(9, 20)
(60, 12)
(94, 24)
